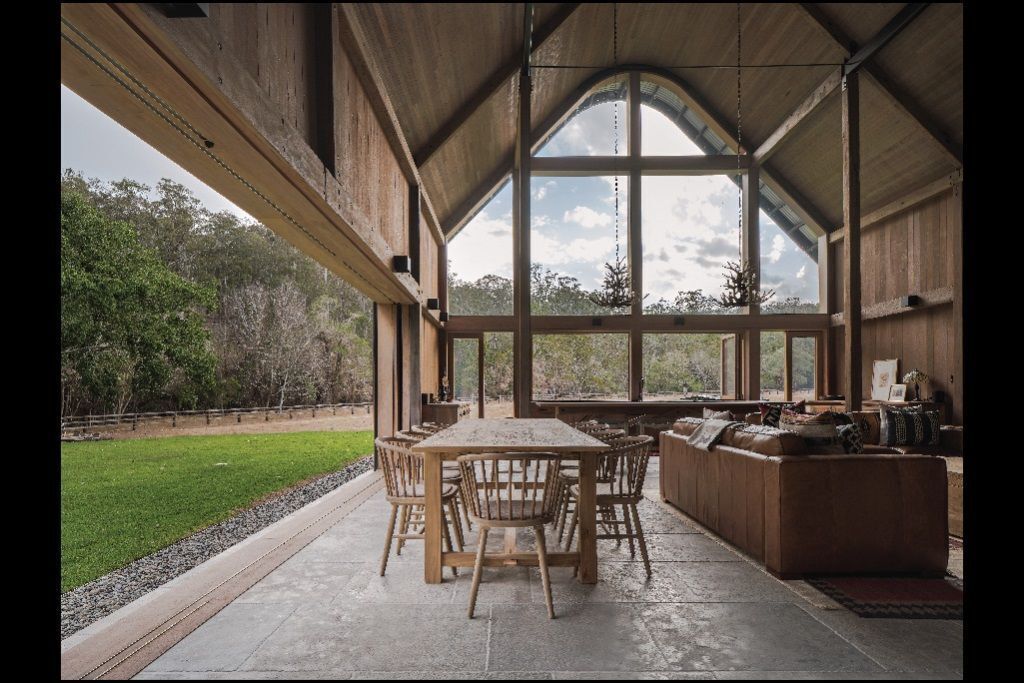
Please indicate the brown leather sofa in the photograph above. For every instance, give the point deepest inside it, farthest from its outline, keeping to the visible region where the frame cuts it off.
(801, 513)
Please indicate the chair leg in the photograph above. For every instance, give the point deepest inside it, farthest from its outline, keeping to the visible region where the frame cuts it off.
(447, 538)
(640, 538)
(563, 513)
(542, 560)
(465, 510)
(572, 527)
(478, 567)
(456, 524)
(403, 528)
(629, 529)
(387, 541)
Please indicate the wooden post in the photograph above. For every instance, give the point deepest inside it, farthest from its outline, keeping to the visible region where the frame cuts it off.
(851, 242)
(635, 241)
(751, 254)
(523, 341)
(826, 305)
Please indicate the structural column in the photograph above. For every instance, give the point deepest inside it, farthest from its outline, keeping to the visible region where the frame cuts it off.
(523, 339)
(635, 241)
(751, 254)
(851, 241)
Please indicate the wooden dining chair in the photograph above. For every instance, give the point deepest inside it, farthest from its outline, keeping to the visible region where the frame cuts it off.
(620, 474)
(510, 490)
(406, 491)
(449, 475)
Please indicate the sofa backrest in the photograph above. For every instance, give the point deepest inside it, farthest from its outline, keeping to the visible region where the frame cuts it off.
(754, 438)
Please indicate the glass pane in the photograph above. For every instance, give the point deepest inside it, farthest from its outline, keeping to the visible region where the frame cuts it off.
(581, 366)
(682, 366)
(498, 374)
(690, 231)
(593, 129)
(480, 261)
(465, 370)
(729, 367)
(659, 136)
(788, 270)
(773, 361)
(572, 238)
(803, 368)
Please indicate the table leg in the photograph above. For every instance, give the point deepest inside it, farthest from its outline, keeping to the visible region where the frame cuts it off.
(586, 508)
(433, 518)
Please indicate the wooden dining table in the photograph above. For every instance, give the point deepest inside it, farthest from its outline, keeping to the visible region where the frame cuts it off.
(534, 435)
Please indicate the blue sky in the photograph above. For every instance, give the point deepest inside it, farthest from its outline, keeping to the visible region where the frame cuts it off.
(690, 223)
(99, 147)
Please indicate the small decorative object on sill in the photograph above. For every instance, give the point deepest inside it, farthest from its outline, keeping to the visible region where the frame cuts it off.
(740, 288)
(917, 378)
(443, 393)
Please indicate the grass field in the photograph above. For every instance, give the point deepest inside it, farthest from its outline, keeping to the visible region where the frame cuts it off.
(122, 500)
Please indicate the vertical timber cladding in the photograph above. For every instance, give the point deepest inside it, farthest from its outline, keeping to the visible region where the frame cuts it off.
(387, 410)
(914, 252)
(430, 356)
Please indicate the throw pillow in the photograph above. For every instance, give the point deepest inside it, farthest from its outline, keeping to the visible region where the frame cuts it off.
(908, 426)
(770, 412)
(710, 414)
(842, 418)
(817, 430)
(850, 436)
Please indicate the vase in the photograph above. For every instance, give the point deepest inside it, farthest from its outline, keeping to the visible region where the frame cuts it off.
(917, 392)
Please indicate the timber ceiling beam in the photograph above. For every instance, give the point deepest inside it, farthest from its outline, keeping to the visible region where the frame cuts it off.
(774, 141)
(492, 85)
(884, 36)
(896, 95)
(357, 46)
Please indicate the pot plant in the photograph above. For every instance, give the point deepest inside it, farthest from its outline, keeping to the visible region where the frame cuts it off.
(917, 378)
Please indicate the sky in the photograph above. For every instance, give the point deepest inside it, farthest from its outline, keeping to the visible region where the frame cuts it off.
(690, 223)
(98, 147)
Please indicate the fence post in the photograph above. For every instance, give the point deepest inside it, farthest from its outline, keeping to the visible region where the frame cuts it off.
(266, 416)
(174, 419)
(238, 417)
(207, 417)
(135, 421)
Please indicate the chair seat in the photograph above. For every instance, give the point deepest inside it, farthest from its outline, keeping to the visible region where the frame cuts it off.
(512, 513)
(604, 490)
(447, 491)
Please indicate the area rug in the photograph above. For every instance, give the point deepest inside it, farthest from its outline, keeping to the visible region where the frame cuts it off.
(895, 597)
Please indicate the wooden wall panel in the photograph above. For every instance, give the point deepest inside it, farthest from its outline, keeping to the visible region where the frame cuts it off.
(367, 167)
(429, 251)
(387, 370)
(429, 359)
(909, 253)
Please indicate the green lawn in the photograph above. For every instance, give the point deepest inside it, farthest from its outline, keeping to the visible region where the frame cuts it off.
(122, 500)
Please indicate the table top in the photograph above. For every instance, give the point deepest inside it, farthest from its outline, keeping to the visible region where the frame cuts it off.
(505, 435)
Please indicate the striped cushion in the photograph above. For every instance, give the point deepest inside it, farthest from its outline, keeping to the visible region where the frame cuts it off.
(908, 427)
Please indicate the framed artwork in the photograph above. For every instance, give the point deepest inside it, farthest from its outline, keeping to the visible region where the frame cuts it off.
(898, 392)
(883, 376)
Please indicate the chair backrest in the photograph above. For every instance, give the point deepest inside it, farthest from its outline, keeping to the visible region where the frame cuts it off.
(635, 424)
(609, 434)
(403, 469)
(509, 486)
(624, 466)
(412, 435)
(590, 426)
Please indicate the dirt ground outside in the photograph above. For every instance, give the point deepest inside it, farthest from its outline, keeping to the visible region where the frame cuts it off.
(259, 423)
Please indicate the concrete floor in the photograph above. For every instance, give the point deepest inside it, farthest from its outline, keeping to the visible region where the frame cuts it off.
(706, 613)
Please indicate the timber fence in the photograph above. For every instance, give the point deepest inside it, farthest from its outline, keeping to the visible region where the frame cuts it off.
(70, 423)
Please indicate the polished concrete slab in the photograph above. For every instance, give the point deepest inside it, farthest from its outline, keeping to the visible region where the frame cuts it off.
(707, 612)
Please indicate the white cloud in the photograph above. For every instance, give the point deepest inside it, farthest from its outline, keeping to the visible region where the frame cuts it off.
(803, 271)
(778, 246)
(483, 247)
(587, 217)
(540, 193)
(540, 221)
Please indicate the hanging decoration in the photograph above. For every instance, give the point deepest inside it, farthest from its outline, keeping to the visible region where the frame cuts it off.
(617, 289)
(741, 286)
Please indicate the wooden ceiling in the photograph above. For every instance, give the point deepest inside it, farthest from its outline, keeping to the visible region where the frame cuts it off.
(435, 58)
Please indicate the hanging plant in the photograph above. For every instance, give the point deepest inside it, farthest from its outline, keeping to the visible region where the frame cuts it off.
(615, 290)
(740, 288)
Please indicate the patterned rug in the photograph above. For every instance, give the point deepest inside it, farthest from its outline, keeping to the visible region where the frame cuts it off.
(898, 597)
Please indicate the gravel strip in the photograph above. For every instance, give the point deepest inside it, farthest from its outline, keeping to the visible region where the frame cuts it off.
(93, 601)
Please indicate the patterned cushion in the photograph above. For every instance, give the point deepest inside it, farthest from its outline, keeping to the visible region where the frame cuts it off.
(770, 412)
(842, 418)
(908, 426)
(817, 430)
(849, 435)
(711, 414)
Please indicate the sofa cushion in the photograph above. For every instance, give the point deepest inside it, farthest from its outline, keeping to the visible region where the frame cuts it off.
(817, 430)
(771, 412)
(849, 435)
(712, 414)
(754, 438)
(908, 427)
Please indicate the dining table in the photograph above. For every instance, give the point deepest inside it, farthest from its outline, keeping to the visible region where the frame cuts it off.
(506, 435)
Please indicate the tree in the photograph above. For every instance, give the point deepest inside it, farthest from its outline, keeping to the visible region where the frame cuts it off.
(128, 324)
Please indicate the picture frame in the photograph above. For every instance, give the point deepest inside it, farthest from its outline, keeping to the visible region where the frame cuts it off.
(883, 376)
(898, 392)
